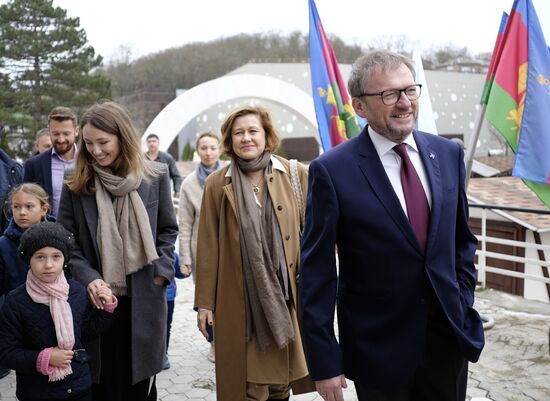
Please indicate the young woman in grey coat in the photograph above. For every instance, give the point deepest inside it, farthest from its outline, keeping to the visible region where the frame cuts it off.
(119, 207)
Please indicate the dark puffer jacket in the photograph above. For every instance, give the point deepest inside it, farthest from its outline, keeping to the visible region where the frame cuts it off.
(26, 328)
(11, 174)
(13, 271)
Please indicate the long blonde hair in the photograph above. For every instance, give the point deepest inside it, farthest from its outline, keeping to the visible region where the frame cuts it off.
(31, 189)
(112, 118)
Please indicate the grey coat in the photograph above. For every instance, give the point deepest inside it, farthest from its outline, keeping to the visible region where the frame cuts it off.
(78, 213)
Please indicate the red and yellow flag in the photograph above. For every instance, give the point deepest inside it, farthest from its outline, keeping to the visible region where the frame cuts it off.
(518, 103)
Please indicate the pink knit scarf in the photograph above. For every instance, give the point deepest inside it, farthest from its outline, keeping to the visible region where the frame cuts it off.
(55, 295)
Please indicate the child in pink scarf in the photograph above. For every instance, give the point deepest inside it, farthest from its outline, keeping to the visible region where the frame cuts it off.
(44, 322)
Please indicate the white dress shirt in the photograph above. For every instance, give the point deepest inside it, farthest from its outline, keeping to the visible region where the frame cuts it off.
(392, 164)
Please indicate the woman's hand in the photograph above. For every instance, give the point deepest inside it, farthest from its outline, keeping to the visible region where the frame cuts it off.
(94, 290)
(61, 358)
(205, 317)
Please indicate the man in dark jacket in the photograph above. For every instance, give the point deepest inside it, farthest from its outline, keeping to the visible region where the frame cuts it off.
(11, 175)
(153, 153)
(392, 203)
(47, 169)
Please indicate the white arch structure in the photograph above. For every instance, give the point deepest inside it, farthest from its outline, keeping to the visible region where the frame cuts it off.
(182, 110)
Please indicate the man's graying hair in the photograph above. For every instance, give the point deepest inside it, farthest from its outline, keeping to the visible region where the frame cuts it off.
(376, 60)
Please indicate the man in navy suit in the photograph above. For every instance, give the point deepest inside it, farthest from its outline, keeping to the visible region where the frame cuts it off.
(404, 286)
(48, 168)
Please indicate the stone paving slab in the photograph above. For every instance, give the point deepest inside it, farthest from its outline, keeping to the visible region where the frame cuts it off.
(515, 365)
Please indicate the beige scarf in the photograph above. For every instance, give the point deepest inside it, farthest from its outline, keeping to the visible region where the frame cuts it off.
(124, 236)
(264, 265)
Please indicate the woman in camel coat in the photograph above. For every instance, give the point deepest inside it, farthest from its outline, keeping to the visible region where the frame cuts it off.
(254, 361)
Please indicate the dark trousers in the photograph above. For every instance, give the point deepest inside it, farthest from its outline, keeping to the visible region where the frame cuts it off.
(3, 371)
(170, 308)
(116, 362)
(210, 332)
(442, 374)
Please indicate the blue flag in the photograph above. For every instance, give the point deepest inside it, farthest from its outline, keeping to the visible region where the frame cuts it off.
(335, 115)
(533, 151)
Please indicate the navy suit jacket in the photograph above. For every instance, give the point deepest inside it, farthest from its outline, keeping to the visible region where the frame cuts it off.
(384, 277)
(38, 169)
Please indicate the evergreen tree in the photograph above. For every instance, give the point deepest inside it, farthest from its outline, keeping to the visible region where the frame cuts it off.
(188, 152)
(46, 61)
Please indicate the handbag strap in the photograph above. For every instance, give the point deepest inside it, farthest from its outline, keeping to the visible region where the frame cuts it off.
(297, 189)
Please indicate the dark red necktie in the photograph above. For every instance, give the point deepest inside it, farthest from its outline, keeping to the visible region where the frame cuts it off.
(415, 197)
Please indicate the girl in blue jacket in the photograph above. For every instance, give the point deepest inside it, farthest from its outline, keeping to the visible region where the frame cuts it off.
(29, 205)
(45, 322)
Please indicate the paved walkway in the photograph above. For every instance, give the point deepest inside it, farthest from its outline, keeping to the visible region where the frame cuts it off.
(515, 365)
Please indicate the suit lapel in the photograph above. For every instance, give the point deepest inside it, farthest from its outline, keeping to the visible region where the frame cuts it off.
(48, 173)
(373, 170)
(431, 166)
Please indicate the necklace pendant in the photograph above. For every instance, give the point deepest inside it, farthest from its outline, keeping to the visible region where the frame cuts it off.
(256, 189)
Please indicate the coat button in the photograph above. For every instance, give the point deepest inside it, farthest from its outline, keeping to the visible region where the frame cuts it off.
(279, 207)
(422, 301)
(69, 391)
(290, 267)
(287, 237)
(271, 179)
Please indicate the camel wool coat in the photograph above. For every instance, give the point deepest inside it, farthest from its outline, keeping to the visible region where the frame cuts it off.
(220, 280)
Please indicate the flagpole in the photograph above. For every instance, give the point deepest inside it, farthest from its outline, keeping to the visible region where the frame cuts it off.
(495, 58)
(470, 151)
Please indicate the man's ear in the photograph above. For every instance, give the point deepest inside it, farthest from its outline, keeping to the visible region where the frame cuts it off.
(359, 106)
(76, 131)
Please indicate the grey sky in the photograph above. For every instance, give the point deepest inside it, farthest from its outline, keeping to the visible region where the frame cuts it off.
(150, 26)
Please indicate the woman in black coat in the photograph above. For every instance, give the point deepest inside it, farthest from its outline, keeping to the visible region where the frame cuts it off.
(119, 207)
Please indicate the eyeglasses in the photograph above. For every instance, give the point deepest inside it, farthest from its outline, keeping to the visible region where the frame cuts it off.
(392, 96)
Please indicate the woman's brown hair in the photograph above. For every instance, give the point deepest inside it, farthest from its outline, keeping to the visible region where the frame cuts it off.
(272, 138)
(112, 118)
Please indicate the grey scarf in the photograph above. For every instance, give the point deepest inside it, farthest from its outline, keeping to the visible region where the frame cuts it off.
(203, 172)
(264, 265)
(124, 236)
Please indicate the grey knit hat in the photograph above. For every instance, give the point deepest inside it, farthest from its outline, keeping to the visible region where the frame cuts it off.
(45, 234)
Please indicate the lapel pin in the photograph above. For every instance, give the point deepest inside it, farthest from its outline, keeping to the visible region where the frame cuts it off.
(432, 156)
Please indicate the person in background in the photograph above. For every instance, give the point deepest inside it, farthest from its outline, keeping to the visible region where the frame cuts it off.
(153, 153)
(48, 168)
(29, 206)
(11, 175)
(171, 292)
(45, 321)
(208, 149)
(120, 209)
(247, 264)
(42, 141)
(392, 202)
